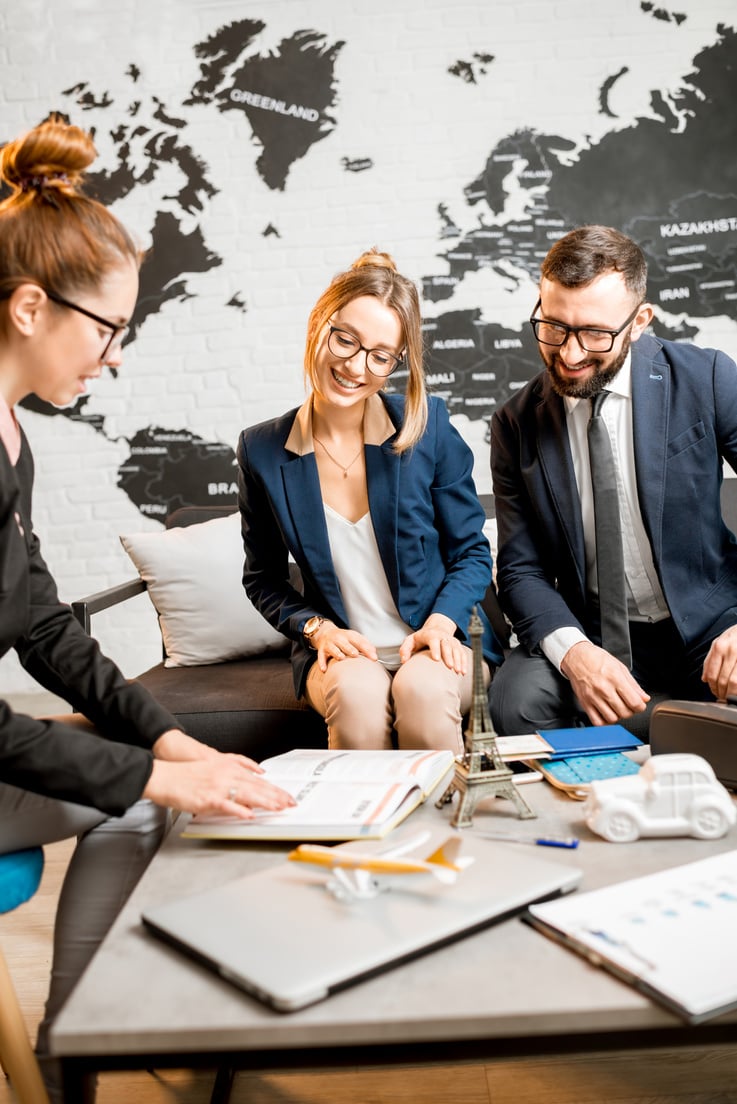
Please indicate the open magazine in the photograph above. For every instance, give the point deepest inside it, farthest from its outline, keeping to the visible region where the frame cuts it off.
(340, 795)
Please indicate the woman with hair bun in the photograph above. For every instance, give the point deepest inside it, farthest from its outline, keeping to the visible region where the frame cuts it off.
(68, 285)
(373, 496)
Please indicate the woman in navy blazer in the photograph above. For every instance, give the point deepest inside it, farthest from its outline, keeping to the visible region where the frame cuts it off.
(373, 497)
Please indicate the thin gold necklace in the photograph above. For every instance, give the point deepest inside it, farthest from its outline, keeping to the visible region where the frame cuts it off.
(343, 467)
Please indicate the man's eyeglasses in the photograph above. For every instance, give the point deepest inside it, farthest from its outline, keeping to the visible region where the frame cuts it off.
(590, 340)
(378, 361)
(118, 335)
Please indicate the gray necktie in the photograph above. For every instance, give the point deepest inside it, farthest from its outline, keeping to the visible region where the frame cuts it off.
(615, 636)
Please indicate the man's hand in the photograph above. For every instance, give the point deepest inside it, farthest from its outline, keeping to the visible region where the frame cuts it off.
(720, 665)
(604, 687)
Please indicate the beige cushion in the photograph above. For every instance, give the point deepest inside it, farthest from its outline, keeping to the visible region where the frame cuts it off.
(194, 581)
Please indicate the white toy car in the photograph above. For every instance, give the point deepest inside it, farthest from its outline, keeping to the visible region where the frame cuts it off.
(671, 795)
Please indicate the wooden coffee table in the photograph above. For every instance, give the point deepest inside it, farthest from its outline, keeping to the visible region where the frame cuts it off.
(503, 990)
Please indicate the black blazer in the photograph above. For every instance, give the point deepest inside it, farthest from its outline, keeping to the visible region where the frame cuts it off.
(107, 771)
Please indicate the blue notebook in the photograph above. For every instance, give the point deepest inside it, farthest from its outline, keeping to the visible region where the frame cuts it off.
(592, 740)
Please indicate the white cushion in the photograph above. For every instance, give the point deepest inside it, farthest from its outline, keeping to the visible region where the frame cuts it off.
(194, 580)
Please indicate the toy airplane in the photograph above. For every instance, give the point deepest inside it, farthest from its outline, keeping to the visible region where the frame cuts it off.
(359, 875)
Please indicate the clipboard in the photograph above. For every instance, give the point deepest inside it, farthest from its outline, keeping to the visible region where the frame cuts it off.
(664, 933)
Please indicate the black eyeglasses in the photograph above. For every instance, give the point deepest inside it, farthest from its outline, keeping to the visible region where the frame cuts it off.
(344, 345)
(117, 337)
(590, 339)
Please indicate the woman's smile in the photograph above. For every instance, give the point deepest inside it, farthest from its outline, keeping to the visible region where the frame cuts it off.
(343, 381)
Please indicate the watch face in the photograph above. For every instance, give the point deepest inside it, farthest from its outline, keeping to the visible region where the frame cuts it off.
(311, 626)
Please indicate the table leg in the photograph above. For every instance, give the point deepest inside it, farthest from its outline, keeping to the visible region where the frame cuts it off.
(78, 1084)
(223, 1085)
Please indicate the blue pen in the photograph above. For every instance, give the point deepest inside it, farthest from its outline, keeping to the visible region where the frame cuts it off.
(540, 841)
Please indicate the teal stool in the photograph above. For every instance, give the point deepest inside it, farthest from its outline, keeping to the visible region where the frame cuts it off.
(20, 874)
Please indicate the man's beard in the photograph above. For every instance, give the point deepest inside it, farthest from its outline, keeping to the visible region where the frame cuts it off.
(603, 373)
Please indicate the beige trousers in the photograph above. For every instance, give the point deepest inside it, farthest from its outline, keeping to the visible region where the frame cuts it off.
(423, 702)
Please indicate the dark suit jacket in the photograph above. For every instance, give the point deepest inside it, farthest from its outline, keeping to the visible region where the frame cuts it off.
(684, 402)
(49, 757)
(424, 508)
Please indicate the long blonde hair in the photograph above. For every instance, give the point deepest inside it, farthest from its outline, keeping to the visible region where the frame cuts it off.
(375, 273)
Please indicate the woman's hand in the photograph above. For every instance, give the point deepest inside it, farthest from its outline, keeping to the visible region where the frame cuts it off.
(176, 746)
(333, 642)
(438, 636)
(195, 778)
(216, 784)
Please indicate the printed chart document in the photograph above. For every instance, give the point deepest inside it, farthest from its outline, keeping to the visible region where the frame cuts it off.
(341, 795)
(669, 934)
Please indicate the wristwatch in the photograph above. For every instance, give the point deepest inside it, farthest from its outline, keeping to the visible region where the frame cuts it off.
(310, 627)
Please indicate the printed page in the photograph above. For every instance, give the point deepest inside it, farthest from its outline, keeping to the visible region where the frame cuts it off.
(324, 810)
(426, 768)
(671, 931)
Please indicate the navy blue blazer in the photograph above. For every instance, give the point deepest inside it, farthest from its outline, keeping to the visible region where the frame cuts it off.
(684, 403)
(425, 512)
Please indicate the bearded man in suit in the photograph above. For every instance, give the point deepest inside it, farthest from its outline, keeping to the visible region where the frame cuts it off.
(671, 418)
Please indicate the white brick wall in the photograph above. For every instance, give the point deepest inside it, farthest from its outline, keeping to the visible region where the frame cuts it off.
(211, 369)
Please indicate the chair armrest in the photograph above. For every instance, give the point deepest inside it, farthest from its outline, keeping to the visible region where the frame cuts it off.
(105, 599)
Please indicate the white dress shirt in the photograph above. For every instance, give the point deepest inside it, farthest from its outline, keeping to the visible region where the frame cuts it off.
(645, 599)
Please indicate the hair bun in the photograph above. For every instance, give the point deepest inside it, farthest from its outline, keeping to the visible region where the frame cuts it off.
(375, 257)
(52, 156)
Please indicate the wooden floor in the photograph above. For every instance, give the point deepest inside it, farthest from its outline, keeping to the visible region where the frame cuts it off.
(686, 1076)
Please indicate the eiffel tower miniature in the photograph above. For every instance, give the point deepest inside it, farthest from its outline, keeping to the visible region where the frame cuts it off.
(481, 772)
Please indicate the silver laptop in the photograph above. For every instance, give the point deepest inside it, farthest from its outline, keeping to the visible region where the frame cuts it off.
(253, 930)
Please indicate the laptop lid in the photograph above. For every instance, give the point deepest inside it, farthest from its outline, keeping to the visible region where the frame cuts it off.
(282, 937)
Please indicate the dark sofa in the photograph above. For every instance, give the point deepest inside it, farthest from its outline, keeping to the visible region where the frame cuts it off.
(244, 705)
(249, 705)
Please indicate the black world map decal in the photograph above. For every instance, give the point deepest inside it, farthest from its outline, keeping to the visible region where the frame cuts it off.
(667, 179)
